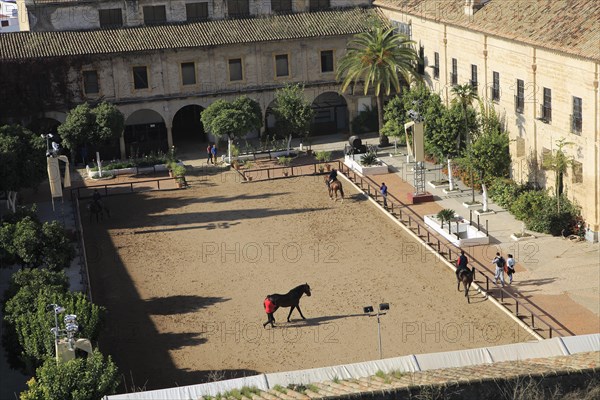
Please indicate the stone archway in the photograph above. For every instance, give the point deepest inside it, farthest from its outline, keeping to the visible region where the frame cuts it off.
(145, 132)
(188, 129)
(331, 114)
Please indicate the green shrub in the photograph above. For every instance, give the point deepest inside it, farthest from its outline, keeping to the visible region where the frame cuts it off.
(323, 156)
(530, 204)
(89, 378)
(504, 191)
(369, 159)
(57, 252)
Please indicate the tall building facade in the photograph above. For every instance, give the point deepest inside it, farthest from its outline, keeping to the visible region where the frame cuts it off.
(537, 62)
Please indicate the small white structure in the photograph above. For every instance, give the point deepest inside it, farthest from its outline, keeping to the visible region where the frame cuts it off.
(461, 233)
(9, 16)
(351, 162)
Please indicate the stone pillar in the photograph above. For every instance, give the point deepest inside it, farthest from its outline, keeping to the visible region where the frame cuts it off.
(122, 146)
(170, 136)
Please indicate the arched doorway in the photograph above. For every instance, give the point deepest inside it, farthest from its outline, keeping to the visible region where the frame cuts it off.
(145, 133)
(331, 114)
(187, 127)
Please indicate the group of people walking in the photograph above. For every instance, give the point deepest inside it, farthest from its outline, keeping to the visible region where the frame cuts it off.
(211, 153)
(502, 266)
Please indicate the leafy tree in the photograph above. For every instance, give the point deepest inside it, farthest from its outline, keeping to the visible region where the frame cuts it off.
(293, 113)
(110, 122)
(440, 140)
(57, 252)
(419, 97)
(32, 322)
(86, 125)
(232, 119)
(28, 241)
(89, 378)
(378, 59)
(79, 127)
(22, 158)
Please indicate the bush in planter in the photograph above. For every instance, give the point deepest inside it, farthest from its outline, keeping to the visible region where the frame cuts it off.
(504, 191)
(369, 159)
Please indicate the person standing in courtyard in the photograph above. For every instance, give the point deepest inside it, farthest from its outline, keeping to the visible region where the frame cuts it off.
(209, 154)
(384, 192)
(499, 262)
(269, 309)
(510, 267)
(213, 151)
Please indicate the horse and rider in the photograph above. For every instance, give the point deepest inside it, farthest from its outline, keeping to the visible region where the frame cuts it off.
(333, 185)
(97, 207)
(464, 275)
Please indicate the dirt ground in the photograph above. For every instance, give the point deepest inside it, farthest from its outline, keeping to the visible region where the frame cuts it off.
(183, 274)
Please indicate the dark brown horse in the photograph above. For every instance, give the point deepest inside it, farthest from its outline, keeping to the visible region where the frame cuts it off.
(334, 187)
(466, 276)
(290, 299)
(98, 209)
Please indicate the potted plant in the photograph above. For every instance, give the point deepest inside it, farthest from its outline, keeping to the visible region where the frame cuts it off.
(285, 161)
(324, 156)
(179, 173)
(369, 159)
(446, 215)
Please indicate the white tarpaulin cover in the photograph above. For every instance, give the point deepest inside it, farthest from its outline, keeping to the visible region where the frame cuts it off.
(453, 359)
(518, 351)
(582, 344)
(522, 351)
(194, 392)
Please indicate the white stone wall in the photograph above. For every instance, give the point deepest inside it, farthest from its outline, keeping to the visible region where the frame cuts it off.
(565, 75)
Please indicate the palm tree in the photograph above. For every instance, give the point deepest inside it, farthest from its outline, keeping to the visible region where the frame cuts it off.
(464, 96)
(559, 162)
(378, 58)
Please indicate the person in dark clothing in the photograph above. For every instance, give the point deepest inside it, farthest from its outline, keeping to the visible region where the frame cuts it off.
(209, 154)
(332, 176)
(269, 309)
(384, 192)
(97, 197)
(461, 262)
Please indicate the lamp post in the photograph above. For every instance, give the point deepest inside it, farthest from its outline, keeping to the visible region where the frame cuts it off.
(71, 328)
(368, 310)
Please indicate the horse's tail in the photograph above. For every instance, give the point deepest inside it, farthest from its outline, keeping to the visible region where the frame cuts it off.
(341, 191)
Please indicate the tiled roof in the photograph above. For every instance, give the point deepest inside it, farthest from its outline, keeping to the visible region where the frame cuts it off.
(24, 45)
(570, 26)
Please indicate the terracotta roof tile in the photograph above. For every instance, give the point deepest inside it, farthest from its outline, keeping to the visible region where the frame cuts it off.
(569, 26)
(23, 45)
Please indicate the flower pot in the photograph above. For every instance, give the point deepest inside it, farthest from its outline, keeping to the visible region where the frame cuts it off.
(308, 152)
(249, 178)
(285, 173)
(328, 167)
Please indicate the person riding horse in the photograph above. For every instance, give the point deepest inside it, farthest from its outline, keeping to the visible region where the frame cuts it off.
(97, 198)
(462, 262)
(332, 177)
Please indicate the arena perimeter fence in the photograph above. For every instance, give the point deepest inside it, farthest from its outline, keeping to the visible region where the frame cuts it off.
(520, 307)
(110, 189)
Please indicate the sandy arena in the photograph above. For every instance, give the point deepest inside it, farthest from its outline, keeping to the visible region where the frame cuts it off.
(183, 275)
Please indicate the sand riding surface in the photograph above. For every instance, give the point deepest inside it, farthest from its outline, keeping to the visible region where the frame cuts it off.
(183, 275)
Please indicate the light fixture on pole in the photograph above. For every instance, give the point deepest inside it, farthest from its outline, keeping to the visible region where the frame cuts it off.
(368, 310)
(47, 136)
